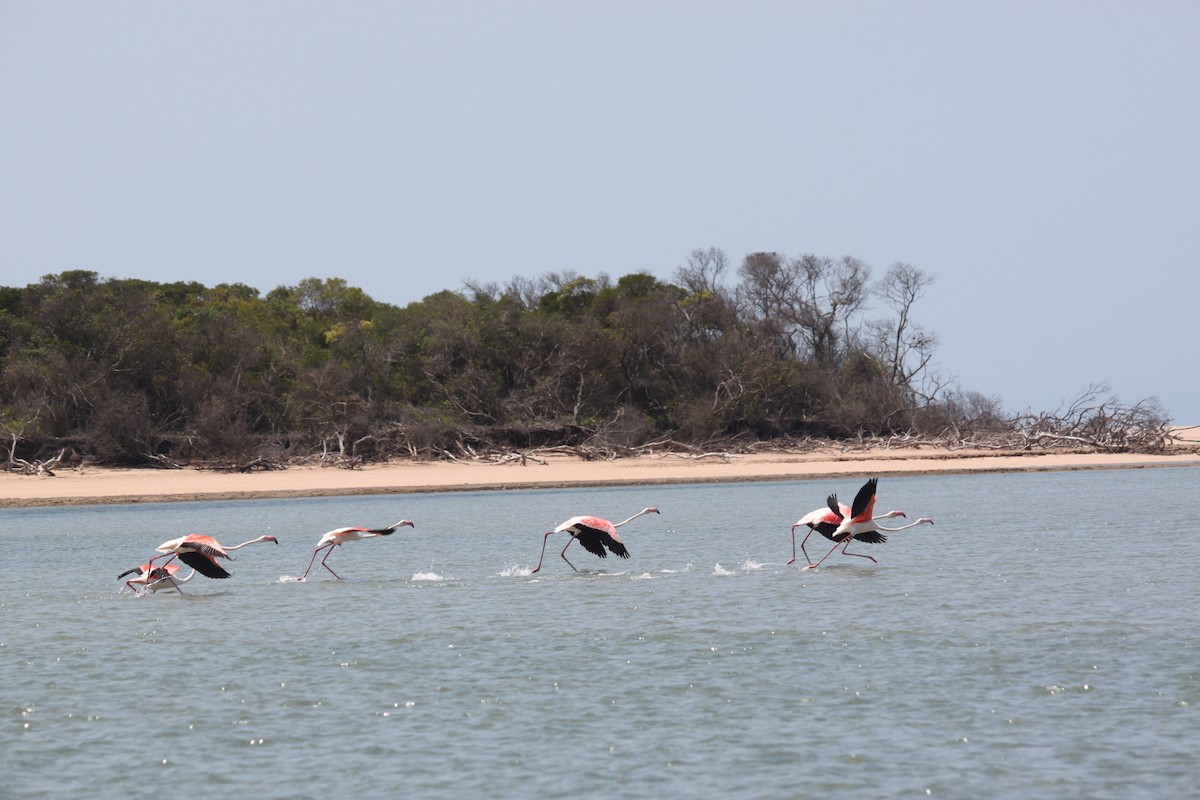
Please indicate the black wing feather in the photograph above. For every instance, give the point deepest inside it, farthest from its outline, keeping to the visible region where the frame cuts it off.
(871, 537)
(592, 540)
(863, 498)
(826, 529)
(833, 505)
(595, 540)
(203, 565)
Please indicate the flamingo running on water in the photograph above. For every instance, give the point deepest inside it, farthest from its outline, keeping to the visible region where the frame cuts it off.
(824, 521)
(594, 534)
(152, 579)
(201, 552)
(859, 524)
(339, 536)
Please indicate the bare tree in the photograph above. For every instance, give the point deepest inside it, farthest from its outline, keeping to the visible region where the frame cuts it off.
(903, 346)
(704, 271)
(810, 303)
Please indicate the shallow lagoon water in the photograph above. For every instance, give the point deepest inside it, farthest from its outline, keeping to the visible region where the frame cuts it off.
(1042, 639)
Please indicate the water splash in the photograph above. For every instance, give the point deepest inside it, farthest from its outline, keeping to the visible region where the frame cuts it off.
(427, 576)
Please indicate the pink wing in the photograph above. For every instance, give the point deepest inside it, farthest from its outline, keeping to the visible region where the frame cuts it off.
(600, 525)
(206, 545)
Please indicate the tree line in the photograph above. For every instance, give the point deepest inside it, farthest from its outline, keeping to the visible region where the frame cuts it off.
(134, 372)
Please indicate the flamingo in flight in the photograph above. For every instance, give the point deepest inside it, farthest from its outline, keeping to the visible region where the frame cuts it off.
(201, 552)
(859, 524)
(594, 534)
(339, 536)
(151, 579)
(824, 521)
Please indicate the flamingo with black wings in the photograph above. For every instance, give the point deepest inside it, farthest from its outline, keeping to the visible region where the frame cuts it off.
(339, 536)
(825, 521)
(595, 534)
(152, 579)
(858, 523)
(201, 552)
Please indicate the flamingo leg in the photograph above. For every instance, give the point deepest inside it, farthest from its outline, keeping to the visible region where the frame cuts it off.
(802, 543)
(150, 563)
(326, 566)
(545, 539)
(860, 555)
(564, 553)
(169, 579)
(794, 544)
(836, 545)
(314, 558)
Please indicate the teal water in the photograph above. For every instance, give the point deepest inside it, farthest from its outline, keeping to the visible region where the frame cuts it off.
(1042, 639)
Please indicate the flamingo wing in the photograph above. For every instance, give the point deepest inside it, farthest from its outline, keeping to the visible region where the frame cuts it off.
(826, 529)
(871, 537)
(340, 535)
(864, 502)
(595, 533)
(207, 545)
(821, 520)
(140, 570)
(203, 563)
(834, 507)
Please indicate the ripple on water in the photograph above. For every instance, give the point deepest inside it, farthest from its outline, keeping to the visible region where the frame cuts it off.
(987, 657)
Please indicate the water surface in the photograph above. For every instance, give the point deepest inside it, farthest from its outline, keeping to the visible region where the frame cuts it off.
(1042, 639)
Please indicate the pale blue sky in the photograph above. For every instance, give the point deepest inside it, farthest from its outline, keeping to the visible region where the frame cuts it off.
(1040, 159)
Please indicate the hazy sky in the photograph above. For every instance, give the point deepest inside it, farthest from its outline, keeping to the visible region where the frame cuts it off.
(1040, 159)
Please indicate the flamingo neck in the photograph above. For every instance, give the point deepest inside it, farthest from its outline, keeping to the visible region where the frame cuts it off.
(901, 528)
(243, 544)
(631, 519)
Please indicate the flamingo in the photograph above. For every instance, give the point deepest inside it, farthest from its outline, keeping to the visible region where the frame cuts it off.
(201, 552)
(859, 524)
(594, 534)
(825, 521)
(339, 536)
(151, 579)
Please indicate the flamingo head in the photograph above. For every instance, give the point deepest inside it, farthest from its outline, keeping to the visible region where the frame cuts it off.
(407, 522)
(270, 539)
(650, 510)
(894, 514)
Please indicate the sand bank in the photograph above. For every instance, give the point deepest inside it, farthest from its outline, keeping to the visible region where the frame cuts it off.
(96, 485)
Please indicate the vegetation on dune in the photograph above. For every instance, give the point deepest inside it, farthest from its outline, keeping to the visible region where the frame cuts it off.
(797, 350)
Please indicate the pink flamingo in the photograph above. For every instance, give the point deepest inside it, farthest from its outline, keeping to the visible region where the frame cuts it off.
(859, 524)
(201, 552)
(824, 521)
(339, 536)
(151, 579)
(594, 534)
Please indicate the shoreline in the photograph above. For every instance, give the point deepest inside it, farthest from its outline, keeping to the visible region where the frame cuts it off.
(107, 486)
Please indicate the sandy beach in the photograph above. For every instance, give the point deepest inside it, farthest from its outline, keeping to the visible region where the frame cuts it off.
(91, 485)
